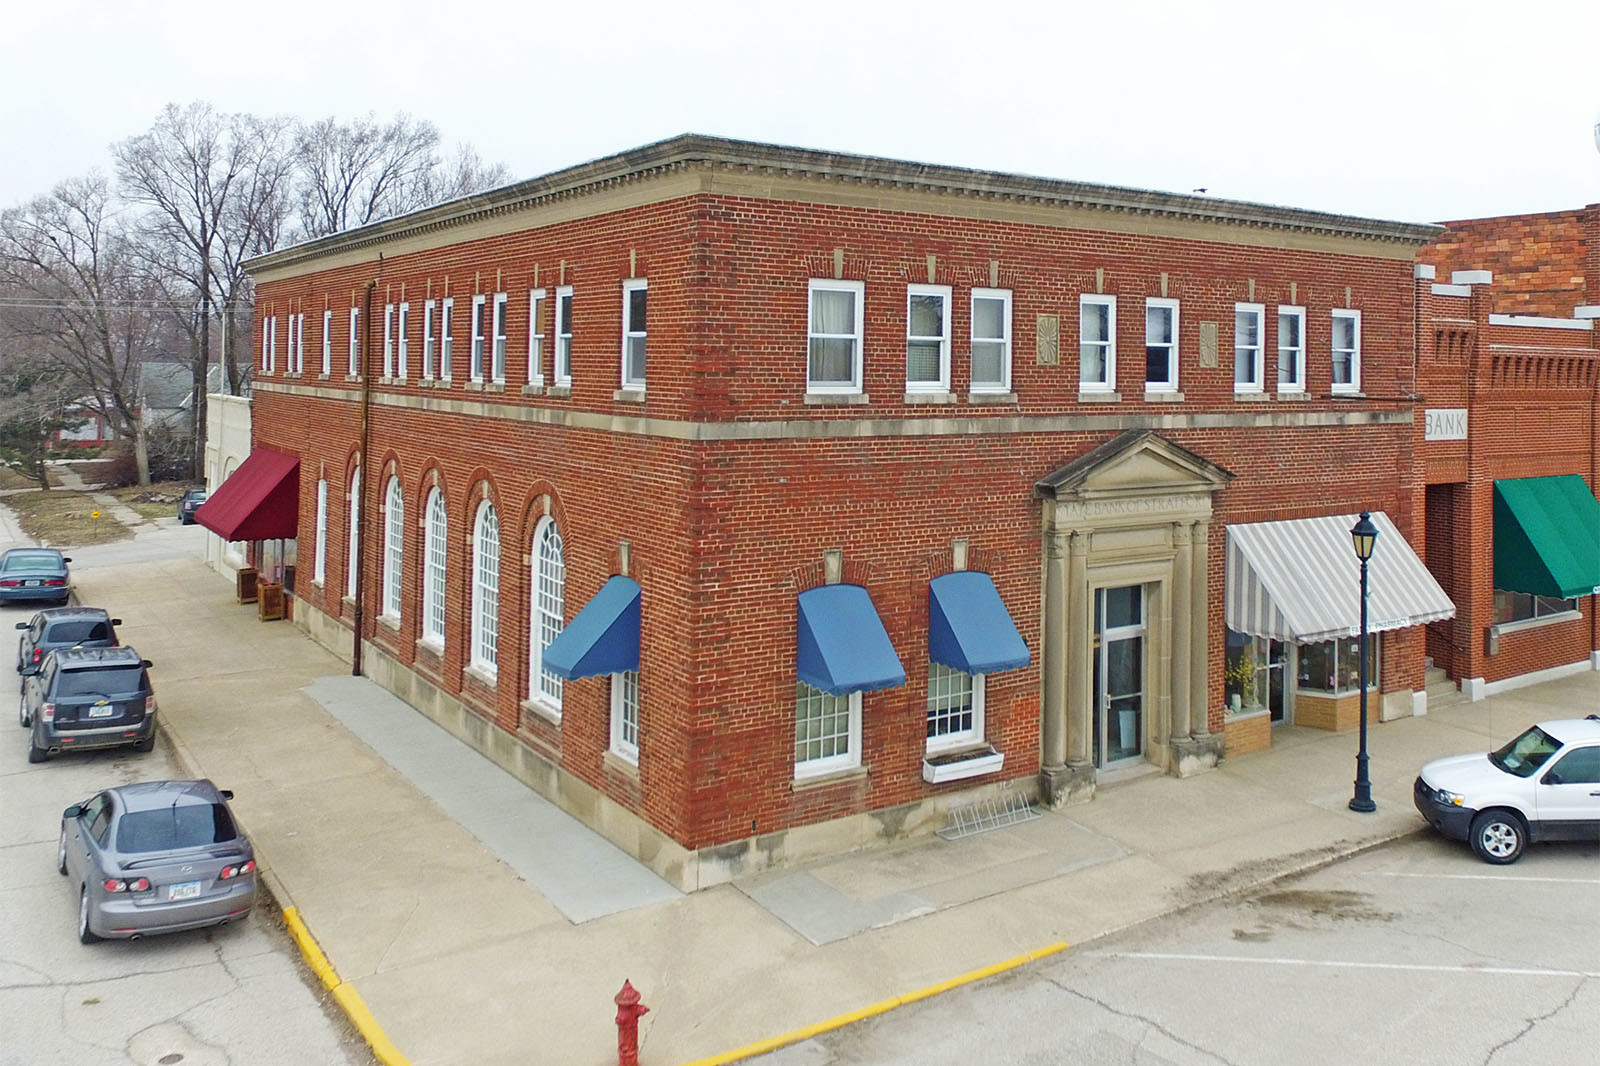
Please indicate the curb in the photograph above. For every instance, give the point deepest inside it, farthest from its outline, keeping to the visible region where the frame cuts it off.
(883, 1006)
(344, 993)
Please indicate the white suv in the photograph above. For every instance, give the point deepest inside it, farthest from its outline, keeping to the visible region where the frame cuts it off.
(1544, 785)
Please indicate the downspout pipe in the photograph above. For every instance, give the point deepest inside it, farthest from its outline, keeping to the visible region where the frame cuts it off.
(364, 356)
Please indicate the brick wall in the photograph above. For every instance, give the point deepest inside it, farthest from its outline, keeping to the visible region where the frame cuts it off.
(1540, 262)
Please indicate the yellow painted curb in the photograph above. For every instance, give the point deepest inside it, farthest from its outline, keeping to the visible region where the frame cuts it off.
(761, 1047)
(355, 1008)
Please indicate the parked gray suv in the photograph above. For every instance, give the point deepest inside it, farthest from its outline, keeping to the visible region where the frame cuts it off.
(89, 698)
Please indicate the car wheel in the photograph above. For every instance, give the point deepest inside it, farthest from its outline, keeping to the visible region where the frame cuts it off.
(148, 744)
(35, 752)
(1498, 837)
(22, 712)
(85, 934)
(61, 851)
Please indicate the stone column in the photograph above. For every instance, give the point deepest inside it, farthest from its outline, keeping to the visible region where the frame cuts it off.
(1053, 655)
(1080, 629)
(1182, 630)
(1199, 630)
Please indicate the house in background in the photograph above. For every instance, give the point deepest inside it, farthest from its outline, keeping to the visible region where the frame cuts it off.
(88, 428)
(754, 503)
(166, 394)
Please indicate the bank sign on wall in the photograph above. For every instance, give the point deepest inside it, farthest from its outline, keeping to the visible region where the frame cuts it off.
(1444, 423)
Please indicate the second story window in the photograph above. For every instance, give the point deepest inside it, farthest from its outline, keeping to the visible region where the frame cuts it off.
(833, 358)
(1097, 343)
(1291, 349)
(1346, 351)
(446, 336)
(1247, 359)
(563, 367)
(427, 339)
(1160, 345)
(991, 340)
(327, 343)
(388, 340)
(634, 295)
(536, 301)
(475, 364)
(355, 341)
(400, 367)
(497, 367)
(927, 338)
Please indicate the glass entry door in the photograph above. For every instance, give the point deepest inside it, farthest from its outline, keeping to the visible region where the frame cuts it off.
(1119, 636)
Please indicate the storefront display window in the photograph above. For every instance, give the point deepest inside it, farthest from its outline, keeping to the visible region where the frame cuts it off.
(1521, 606)
(1334, 666)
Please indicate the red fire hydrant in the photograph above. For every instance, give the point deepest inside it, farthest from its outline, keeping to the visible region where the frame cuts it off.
(629, 1011)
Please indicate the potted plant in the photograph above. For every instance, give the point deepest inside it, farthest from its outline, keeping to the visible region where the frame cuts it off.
(1239, 683)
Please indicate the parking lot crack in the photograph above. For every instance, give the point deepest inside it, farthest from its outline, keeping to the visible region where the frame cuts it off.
(1533, 1023)
(1140, 1018)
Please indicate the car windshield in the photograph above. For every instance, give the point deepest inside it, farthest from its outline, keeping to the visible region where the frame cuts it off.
(101, 681)
(78, 630)
(1524, 755)
(189, 825)
(31, 561)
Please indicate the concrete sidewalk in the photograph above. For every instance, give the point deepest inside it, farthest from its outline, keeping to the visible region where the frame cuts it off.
(482, 926)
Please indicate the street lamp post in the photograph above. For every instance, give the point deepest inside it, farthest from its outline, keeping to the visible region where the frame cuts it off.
(1365, 537)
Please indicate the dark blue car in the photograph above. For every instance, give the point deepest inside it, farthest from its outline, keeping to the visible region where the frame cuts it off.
(34, 575)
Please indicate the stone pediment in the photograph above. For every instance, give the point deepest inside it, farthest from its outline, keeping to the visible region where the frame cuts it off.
(1133, 464)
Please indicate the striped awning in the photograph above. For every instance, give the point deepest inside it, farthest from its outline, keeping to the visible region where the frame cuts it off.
(1300, 581)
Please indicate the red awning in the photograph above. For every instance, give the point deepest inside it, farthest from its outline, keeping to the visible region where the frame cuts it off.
(258, 501)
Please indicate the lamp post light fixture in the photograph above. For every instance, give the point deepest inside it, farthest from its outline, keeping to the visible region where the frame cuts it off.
(1365, 537)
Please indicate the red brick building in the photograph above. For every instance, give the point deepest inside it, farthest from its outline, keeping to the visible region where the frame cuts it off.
(1509, 377)
(753, 502)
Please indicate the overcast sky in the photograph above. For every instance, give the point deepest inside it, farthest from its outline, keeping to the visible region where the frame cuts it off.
(1402, 109)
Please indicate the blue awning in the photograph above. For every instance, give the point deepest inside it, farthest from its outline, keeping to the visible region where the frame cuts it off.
(841, 643)
(603, 638)
(969, 628)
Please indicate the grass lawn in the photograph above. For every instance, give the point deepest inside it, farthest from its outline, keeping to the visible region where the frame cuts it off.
(10, 479)
(62, 519)
(158, 500)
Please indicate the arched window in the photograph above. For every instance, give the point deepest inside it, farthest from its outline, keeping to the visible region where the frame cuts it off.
(394, 542)
(486, 588)
(355, 533)
(320, 564)
(549, 604)
(434, 540)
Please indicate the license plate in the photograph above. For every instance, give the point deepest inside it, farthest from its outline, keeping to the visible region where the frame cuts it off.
(102, 710)
(32, 583)
(186, 890)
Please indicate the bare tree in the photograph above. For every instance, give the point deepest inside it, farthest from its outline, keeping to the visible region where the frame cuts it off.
(216, 186)
(354, 173)
(80, 299)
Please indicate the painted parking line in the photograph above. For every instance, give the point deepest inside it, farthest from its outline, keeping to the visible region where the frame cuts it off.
(1499, 877)
(1410, 967)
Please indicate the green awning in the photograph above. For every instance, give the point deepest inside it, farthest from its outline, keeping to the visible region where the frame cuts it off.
(1546, 536)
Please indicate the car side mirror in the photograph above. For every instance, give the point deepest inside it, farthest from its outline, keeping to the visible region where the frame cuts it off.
(225, 793)
(22, 625)
(66, 558)
(73, 811)
(147, 663)
(116, 621)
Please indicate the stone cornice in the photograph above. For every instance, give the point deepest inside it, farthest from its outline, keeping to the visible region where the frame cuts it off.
(696, 153)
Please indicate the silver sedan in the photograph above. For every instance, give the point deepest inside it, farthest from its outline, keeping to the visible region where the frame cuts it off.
(156, 857)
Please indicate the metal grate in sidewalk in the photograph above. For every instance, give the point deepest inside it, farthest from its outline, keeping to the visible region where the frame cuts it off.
(996, 813)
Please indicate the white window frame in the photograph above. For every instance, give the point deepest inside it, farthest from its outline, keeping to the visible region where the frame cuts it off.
(394, 548)
(566, 303)
(388, 340)
(400, 349)
(428, 308)
(963, 738)
(327, 342)
(288, 346)
(1161, 303)
(1296, 354)
(1004, 384)
(1109, 302)
(355, 341)
(625, 716)
(354, 513)
(300, 344)
(547, 608)
(475, 359)
(536, 301)
(296, 327)
(319, 571)
(497, 356)
(272, 345)
(942, 383)
(828, 764)
(485, 645)
(630, 334)
(1257, 354)
(447, 338)
(859, 290)
(1353, 386)
(266, 344)
(435, 546)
